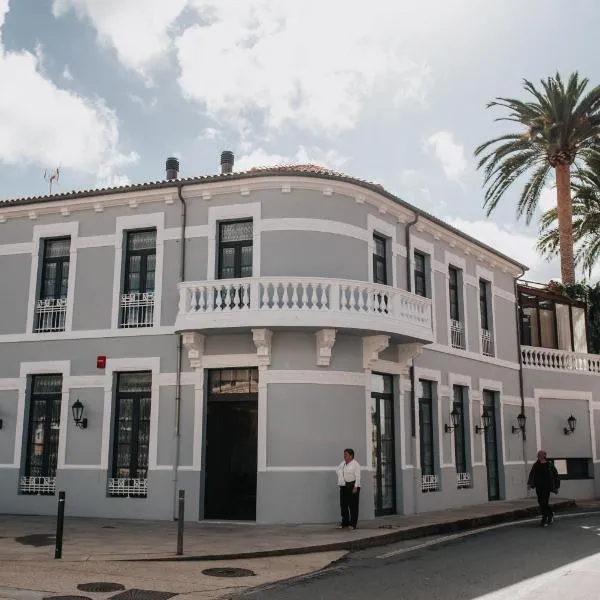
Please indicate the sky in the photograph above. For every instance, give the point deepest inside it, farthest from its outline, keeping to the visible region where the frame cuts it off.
(391, 91)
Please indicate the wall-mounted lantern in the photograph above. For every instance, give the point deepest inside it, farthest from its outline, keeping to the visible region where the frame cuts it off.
(486, 421)
(455, 417)
(521, 421)
(571, 425)
(80, 421)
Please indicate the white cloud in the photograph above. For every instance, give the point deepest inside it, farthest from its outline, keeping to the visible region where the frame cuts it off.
(137, 29)
(67, 73)
(309, 64)
(547, 199)
(43, 124)
(210, 133)
(260, 158)
(449, 153)
(146, 105)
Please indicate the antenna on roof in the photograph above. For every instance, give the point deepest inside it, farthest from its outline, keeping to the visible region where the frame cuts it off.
(52, 177)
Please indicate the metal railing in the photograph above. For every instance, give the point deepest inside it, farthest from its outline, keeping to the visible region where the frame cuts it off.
(128, 488)
(487, 343)
(50, 315)
(463, 480)
(430, 483)
(457, 334)
(37, 485)
(137, 309)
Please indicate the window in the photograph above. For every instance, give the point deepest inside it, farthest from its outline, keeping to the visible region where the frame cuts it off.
(460, 445)
(380, 260)
(137, 299)
(453, 291)
(426, 427)
(235, 249)
(42, 435)
(131, 435)
(420, 276)
(51, 306)
(483, 304)
(573, 468)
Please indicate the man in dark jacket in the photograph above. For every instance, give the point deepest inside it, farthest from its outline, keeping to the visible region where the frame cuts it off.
(544, 478)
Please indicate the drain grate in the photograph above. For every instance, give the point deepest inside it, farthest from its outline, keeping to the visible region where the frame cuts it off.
(100, 586)
(228, 572)
(143, 595)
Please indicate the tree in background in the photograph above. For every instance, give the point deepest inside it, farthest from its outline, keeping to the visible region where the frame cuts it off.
(560, 126)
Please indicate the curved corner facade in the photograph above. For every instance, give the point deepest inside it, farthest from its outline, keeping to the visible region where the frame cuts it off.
(314, 314)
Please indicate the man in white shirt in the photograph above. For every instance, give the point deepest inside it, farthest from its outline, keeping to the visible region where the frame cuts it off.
(348, 474)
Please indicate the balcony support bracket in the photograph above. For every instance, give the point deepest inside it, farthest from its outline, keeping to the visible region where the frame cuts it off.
(406, 354)
(325, 341)
(372, 346)
(262, 340)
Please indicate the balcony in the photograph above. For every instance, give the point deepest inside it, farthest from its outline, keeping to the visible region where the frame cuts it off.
(303, 302)
(487, 343)
(457, 334)
(50, 315)
(137, 309)
(550, 359)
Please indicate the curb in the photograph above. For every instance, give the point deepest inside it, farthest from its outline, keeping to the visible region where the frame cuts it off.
(449, 527)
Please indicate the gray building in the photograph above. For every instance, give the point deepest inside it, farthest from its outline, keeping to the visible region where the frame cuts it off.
(230, 335)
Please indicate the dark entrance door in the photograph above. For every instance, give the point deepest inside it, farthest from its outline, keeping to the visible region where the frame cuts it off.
(231, 445)
(382, 419)
(491, 447)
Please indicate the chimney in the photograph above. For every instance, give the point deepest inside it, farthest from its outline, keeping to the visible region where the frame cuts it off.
(227, 161)
(172, 168)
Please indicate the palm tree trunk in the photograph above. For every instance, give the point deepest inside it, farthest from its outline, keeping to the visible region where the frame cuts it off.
(565, 222)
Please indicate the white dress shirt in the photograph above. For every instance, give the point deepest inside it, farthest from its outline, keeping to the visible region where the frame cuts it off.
(348, 473)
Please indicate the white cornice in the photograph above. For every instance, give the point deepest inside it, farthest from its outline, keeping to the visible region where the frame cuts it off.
(207, 190)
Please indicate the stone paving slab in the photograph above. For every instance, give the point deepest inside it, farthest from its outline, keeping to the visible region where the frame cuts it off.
(31, 538)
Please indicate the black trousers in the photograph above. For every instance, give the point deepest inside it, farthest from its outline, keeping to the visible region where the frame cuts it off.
(543, 497)
(349, 504)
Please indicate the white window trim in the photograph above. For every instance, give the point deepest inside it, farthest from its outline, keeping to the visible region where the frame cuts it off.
(427, 248)
(128, 223)
(436, 377)
(42, 232)
(233, 212)
(122, 365)
(378, 226)
(62, 367)
(460, 263)
(482, 273)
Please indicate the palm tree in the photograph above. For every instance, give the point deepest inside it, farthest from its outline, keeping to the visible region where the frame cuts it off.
(561, 128)
(586, 220)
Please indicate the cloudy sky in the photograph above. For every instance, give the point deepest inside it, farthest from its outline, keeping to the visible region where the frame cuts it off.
(393, 91)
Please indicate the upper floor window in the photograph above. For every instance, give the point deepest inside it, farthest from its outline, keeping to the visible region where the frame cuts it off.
(235, 249)
(487, 342)
(51, 306)
(42, 435)
(131, 441)
(457, 329)
(420, 275)
(137, 298)
(380, 260)
(453, 291)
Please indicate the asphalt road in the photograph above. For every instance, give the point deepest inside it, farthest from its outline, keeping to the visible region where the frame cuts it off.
(518, 562)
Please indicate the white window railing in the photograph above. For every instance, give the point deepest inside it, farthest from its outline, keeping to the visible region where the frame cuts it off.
(463, 480)
(550, 359)
(430, 483)
(457, 334)
(50, 315)
(128, 488)
(37, 485)
(137, 309)
(487, 343)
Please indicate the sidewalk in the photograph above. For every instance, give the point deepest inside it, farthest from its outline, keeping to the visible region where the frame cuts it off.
(25, 538)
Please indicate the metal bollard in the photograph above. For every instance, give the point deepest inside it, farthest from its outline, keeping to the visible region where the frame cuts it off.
(180, 519)
(60, 522)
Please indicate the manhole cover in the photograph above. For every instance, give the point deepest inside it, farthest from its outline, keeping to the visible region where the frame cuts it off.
(143, 595)
(66, 598)
(100, 586)
(228, 572)
(37, 540)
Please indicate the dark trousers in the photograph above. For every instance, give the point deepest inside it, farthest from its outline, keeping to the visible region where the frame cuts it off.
(349, 504)
(543, 497)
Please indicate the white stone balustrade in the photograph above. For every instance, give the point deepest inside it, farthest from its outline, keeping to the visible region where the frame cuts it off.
(303, 301)
(550, 359)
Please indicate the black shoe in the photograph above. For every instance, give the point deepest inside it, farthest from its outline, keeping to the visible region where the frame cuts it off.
(550, 519)
(543, 523)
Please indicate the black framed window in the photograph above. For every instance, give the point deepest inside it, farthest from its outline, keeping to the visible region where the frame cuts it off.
(426, 427)
(137, 298)
(131, 439)
(453, 281)
(235, 249)
(51, 307)
(484, 287)
(420, 275)
(460, 441)
(573, 468)
(42, 432)
(380, 260)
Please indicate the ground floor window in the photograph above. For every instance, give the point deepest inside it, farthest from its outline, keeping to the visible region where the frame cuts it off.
(430, 481)
(131, 438)
(573, 468)
(42, 435)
